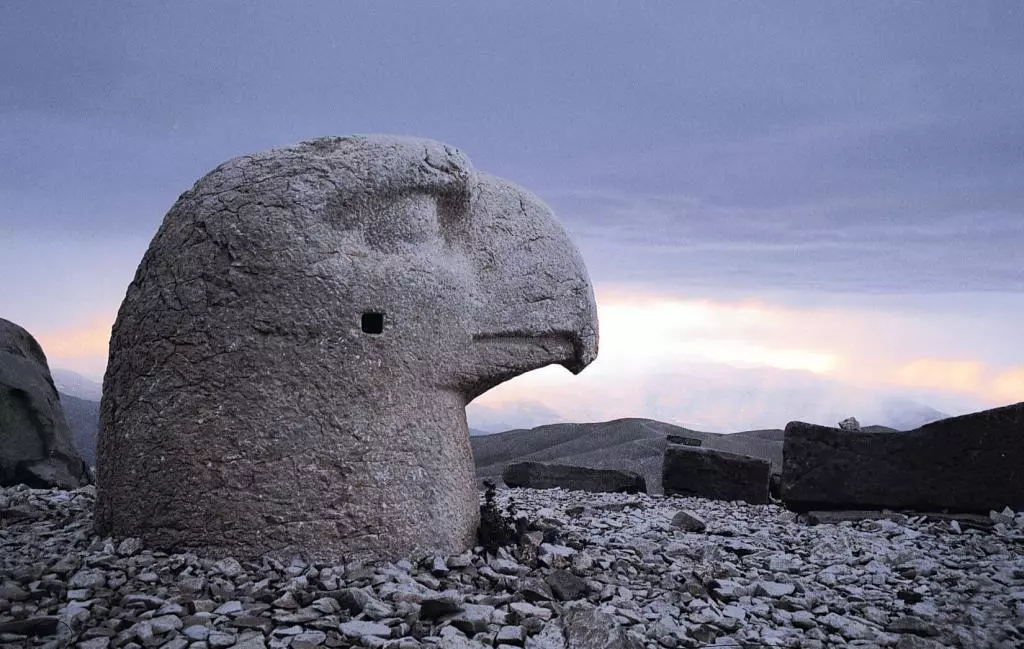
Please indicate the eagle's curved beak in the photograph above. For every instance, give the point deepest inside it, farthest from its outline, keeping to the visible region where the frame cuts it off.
(536, 302)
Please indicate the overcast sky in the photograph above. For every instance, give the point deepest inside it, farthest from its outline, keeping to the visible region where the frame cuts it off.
(789, 210)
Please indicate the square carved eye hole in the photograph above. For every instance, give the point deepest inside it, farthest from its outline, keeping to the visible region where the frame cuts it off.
(373, 322)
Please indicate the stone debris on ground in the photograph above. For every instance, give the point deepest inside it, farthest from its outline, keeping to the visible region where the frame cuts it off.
(612, 571)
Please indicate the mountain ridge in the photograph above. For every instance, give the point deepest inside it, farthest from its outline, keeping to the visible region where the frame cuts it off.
(76, 385)
(633, 444)
(83, 417)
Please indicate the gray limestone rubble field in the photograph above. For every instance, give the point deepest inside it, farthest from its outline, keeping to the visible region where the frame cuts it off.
(624, 571)
(290, 367)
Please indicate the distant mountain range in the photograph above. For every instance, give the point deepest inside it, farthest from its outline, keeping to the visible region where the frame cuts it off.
(83, 417)
(80, 401)
(77, 385)
(903, 414)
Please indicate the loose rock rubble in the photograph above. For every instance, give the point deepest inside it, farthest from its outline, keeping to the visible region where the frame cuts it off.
(608, 571)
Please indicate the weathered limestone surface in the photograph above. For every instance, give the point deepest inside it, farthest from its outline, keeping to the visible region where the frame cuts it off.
(36, 448)
(970, 463)
(693, 471)
(250, 404)
(536, 475)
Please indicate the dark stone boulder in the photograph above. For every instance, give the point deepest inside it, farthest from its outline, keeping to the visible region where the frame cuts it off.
(36, 448)
(717, 475)
(534, 475)
(970, 463)
(566, 586)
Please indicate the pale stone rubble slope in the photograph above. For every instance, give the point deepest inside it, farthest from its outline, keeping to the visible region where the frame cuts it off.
(620, 574)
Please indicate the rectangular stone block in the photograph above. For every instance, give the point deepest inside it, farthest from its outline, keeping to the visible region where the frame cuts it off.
(534, 475)
(693, 471)
(971, 463)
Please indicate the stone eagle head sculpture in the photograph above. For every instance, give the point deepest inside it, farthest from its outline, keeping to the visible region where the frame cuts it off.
(289, 370)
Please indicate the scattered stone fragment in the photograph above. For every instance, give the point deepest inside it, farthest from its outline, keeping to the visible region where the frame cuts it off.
(89, 578)
(473, 618)
(444, 603)
(218, 639)
(510, 635)
(439, 568)
(228, 608)
(165, 624)
(252, 622)
(360, 629)
(590, 628)
(835, 517)
(566, 586)
(688, 522)
(773, 589)
(196, 632)
(912, 624)
(251, 640)
(525, 610)
(535, 589)
(308, 640)
(129, 546)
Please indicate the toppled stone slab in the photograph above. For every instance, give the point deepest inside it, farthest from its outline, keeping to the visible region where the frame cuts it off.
(961, 464)
(706, 473)
(844, 515)
(967, 521)
(535, 475)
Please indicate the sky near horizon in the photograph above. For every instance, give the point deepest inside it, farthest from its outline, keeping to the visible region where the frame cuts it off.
(803, 210)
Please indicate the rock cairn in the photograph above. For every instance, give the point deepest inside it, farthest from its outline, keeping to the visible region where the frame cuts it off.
(613, 571)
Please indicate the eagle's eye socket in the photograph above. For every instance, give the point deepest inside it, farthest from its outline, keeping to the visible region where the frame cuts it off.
(373, 322)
